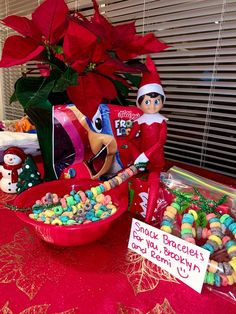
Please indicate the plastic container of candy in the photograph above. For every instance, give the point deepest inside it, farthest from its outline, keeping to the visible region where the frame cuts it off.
(77, 234)
(203, 212)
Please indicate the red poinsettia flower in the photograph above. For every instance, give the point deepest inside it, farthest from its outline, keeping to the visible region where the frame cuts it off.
(47, 26)
(85, 53)
(122, 39)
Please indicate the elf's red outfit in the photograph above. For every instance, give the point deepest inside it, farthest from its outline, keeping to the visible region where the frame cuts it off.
(152, 131)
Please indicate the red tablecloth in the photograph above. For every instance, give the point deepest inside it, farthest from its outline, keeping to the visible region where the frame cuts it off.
(99, 278)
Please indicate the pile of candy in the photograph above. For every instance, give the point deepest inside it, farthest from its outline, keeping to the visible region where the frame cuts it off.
(218, 232)
(79, 207)
(76, 208)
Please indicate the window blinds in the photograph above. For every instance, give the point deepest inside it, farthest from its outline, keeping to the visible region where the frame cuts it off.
(197, 71)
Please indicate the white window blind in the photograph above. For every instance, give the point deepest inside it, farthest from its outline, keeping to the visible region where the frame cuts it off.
(198, 71)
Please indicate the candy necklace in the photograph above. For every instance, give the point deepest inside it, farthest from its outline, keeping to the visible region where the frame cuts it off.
(218, 274)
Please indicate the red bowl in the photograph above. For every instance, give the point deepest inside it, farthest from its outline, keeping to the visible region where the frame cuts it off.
(75, 234)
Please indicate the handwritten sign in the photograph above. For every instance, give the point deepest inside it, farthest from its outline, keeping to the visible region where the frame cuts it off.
(182, 259)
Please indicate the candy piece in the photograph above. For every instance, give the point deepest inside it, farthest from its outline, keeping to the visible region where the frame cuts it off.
(210, 216)
(208, 247)
(216, 239)
(100, 198)
(104, 215)
(58, 210)
(210, 278)
(228, 221)
(232, 227)
(191, 240)
(227, 269)
(98, 213)
(63, 202)
(215, 224)
(223, 218)
(229, 243)
(107, 185)
(186, 225)
(55, 198)
(49, 213)
(134, 169)
(234, 276)
(214, 219)
(119, 179)
(214, 244)
(166, 229)
(212, 266)
(56, 221)
(74, 209)
(231, 249)
(193, 213)
(70, 222)
(64, 219)
(225, 240)
(171, 209)
(167, 223)
(83, 196)
(129, 172)
(188, 218)
(184, 231)
(204, 233)
(166, 218)
(217, 280)
(224, 280)
(232, 263)
(102, 188)
(107, 199)
(230, 280)
(169, 214)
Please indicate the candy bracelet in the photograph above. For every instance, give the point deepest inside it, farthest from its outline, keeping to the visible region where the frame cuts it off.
(218, 274)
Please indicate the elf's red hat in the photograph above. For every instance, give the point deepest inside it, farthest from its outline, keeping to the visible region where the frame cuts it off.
(150, 82)
(16, 151)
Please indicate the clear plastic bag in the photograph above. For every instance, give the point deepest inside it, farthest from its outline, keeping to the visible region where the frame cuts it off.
(205, 215)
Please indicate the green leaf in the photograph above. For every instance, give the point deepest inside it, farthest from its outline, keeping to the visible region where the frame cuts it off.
(134, 79)
(58, 49)
(13, 98)
(131, 195)
(201, 220)
(68, 78)
(121, 88)
(33, 91)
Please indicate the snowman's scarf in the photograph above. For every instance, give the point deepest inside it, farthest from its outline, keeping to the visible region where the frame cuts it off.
(14, 172)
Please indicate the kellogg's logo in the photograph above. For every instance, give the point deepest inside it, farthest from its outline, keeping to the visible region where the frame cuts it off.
(129, 115)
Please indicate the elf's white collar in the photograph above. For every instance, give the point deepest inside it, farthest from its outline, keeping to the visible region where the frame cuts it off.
(150, 118)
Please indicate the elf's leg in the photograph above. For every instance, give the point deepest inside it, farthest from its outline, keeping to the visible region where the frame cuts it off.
(153, 193)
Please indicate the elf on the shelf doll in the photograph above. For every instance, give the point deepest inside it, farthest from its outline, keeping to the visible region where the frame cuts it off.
(152, 129)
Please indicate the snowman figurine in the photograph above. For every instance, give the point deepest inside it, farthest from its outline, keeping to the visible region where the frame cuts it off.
(11, 168)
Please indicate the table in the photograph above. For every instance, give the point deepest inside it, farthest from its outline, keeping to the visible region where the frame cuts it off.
(103, 277)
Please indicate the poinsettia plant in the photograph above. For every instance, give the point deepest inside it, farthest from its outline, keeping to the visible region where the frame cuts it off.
(86, 60)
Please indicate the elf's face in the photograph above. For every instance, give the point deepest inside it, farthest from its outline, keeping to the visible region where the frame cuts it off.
(151, 105)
